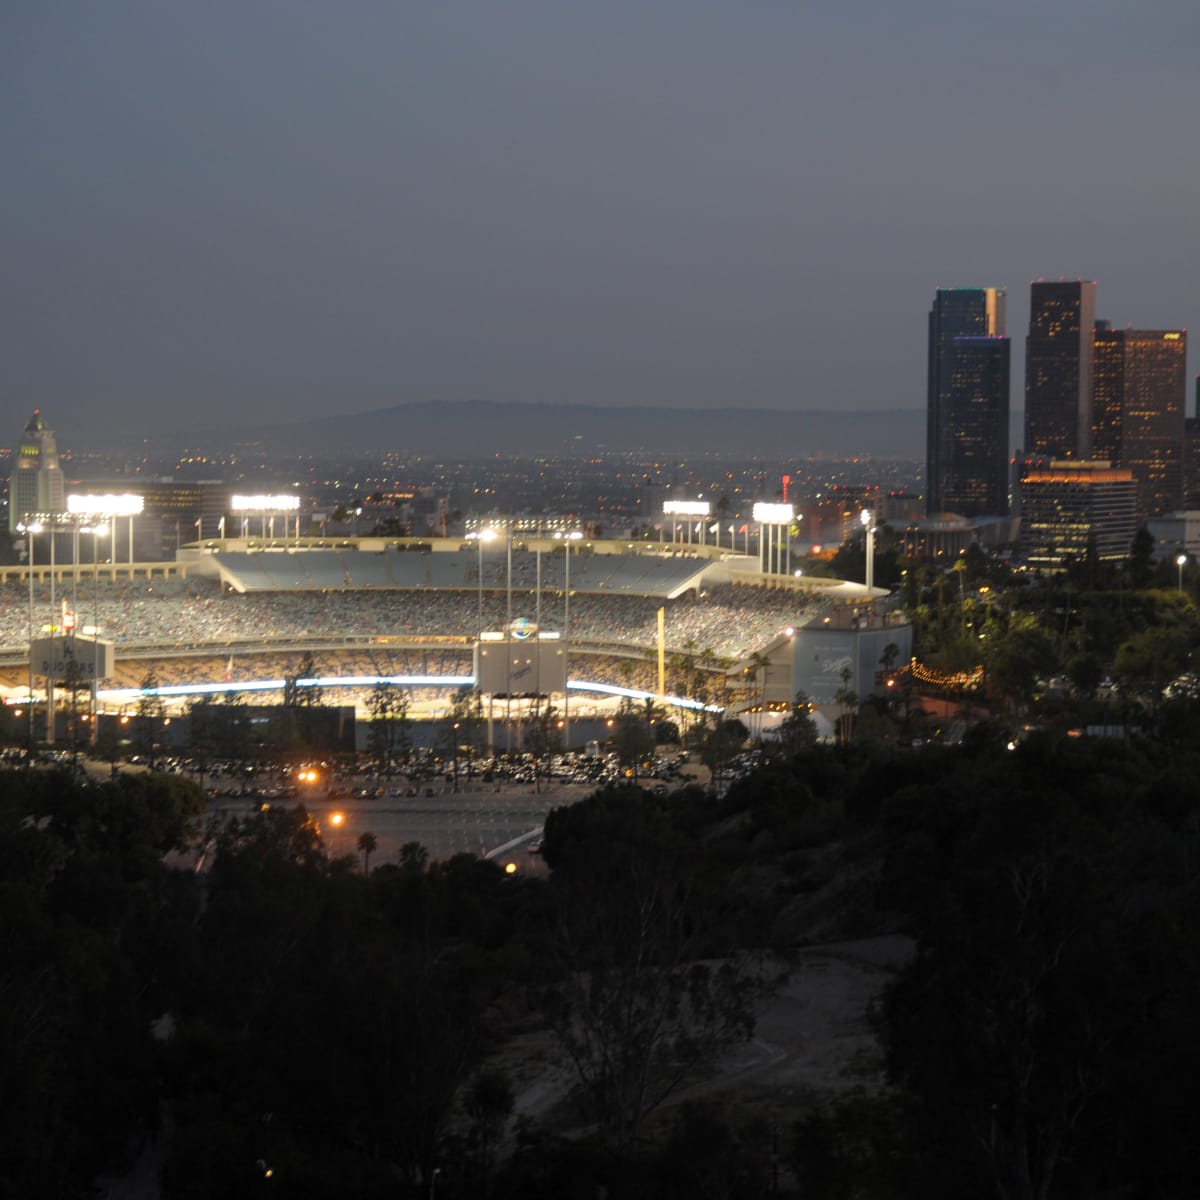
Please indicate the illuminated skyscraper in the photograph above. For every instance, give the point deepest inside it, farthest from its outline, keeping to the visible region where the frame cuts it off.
(1058, 370)
(35, 483)
(1191, 457)
(1138, 422)
(967, 417)
(1075, 508)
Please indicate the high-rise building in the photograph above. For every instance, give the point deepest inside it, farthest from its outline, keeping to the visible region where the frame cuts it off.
(1138, 415)
(35, 483)
(1072, 508)
(1191, 457)
(1058, 370)
(967, 417)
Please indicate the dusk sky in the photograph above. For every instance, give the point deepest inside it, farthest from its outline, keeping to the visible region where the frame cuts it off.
(220, 212)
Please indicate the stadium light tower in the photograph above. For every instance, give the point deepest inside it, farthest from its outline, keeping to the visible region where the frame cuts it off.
(29, 526)
(771, 519)
(690, 509)
(483, 535)
(127, 504)
(868, 517)
(567, 539)
(267, 506)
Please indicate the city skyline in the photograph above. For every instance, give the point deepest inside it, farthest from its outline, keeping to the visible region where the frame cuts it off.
(217, 214)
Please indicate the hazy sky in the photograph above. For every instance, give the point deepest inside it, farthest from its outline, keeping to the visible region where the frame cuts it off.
(233, 210)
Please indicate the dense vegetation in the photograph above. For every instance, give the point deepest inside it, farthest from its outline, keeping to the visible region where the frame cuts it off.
(286, 1014)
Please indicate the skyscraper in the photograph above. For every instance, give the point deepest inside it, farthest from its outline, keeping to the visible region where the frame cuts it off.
(967, 416)
(1075, 508)
(1191, 457)
(35, 483)
(1138, 420)
(1058, 370)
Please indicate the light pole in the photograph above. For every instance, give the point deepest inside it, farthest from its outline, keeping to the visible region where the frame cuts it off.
(568, 538)
(508, 620)
(337, 820)
(1180, 562)
(30, 528)
(867, 517)
(484, 535)
(98, 531)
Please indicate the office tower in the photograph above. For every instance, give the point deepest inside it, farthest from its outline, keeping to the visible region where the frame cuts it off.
(1138, 421)
(1072, 508)
(1058, 370)
(967, 416)
(35, 483)
(1191, 457)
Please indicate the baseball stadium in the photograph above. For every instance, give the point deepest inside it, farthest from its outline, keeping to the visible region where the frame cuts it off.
(687, 625)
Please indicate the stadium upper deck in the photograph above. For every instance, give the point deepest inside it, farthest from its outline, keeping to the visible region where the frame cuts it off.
(308, 570)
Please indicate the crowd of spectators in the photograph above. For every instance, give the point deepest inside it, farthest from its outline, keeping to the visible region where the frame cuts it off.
(727, 621)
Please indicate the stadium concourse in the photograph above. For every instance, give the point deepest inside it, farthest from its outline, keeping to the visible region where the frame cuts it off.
(235, 616)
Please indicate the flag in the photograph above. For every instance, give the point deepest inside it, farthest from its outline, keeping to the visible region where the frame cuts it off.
(714, 527)
(229, 670)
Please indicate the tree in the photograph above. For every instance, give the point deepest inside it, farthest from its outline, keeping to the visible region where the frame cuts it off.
(489, 1103)
(1141, 558)
(368, 843)
(721, 743)
(1014, 660)
(94, 924)
(887, 660)
(389, 734)
(1149, 660)
(638, 1005)
(846, 699)
(633, 738)
(798, 730)
(1036, 1025)
(74, 681)
(293, 693)
(757, 669)
(545, 736)
(108, 745)
(201, 735)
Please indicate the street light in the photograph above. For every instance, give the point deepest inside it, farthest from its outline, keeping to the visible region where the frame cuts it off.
(337, 820)
(1179, 562)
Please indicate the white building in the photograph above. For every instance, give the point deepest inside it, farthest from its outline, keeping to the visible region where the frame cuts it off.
(35, 482)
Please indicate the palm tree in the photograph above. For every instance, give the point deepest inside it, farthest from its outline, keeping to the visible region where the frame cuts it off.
(367, 845)
(653, 714)
(758, 666)
(847, 700)
(960, 569)
(722, 507)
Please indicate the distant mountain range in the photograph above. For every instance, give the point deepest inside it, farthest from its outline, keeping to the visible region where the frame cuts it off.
(472, 430)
